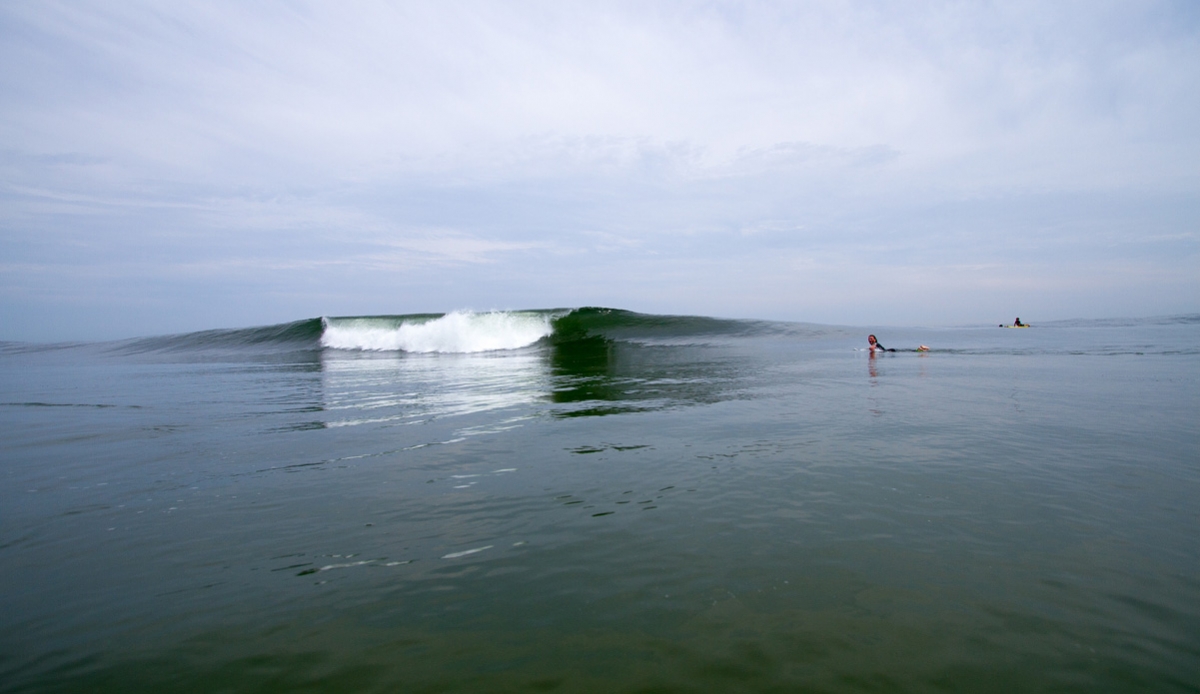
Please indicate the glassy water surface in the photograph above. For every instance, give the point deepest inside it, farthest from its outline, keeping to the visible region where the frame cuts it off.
(628, 503)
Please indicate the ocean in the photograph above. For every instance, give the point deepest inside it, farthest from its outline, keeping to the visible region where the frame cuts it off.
(595, 500)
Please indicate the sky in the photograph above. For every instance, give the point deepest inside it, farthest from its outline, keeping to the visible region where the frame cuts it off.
(169, 167)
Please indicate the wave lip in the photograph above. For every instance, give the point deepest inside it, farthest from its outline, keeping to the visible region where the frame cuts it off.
(454, 332)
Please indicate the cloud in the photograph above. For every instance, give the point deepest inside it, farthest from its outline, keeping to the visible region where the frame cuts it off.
(317, 88)
(676, 138)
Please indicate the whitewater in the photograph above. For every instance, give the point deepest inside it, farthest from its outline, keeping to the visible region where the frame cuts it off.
(455, 332)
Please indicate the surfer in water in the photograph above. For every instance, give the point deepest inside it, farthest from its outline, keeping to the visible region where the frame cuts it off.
(875, 346)
(1017, 323)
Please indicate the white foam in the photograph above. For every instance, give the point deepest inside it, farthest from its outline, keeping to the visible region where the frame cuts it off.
(345, 566)
(456, 555)
(456, 332)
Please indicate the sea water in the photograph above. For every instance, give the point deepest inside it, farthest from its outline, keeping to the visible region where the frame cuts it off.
(602, 501)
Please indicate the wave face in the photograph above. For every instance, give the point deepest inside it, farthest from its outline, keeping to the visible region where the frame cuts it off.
(617, 324)
(297, 334)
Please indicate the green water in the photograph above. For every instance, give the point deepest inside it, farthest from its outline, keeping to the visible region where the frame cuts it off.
(765, 512)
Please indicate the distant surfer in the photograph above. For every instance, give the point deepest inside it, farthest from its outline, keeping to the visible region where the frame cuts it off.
(876, 346)
(1017, 323)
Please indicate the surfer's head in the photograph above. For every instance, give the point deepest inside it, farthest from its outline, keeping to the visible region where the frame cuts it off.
(871, 339)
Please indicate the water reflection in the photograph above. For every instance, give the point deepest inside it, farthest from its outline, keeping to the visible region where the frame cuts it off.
(595, 376)
(400, 388)
(588, 377)
(585, 375)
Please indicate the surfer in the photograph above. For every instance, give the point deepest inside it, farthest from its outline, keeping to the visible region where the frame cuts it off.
(875, 346)
(1017, 323)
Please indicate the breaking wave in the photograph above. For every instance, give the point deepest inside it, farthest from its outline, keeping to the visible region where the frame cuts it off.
(455, 332)
(467, 331)
(459, 331)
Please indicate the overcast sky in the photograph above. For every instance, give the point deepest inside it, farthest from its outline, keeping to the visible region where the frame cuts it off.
(167, 167)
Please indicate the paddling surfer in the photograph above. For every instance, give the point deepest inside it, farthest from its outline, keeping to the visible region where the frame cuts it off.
(876, 346)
